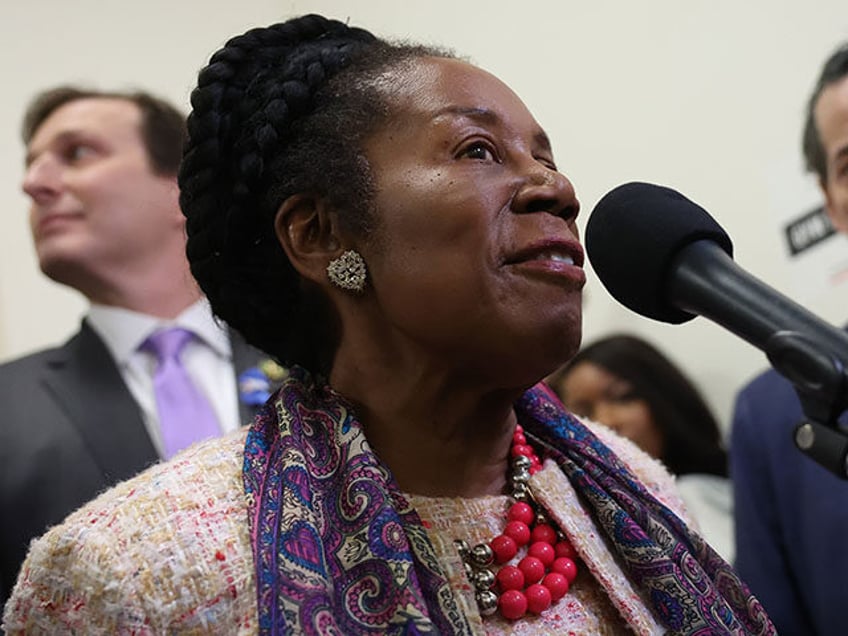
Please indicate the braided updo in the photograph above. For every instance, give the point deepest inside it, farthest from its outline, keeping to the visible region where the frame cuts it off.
(280, 110)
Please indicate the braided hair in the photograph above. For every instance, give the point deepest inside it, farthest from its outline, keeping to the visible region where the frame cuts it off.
(277, 111)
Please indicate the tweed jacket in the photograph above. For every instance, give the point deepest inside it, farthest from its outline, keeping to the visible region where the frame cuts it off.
(169, 551)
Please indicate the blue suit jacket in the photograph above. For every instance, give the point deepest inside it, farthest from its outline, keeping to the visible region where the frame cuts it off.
(791, 515)
(69, 429)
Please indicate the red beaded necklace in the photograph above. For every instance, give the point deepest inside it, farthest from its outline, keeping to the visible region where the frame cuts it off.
(543, 574)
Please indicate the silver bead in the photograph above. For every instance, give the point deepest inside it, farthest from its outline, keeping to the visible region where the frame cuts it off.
(483, 579)
(469, 570)
(482, 555)
(462, 548)
(521, 462)
(541, 518)
(520, 492)
(487, 601)
(521, 476)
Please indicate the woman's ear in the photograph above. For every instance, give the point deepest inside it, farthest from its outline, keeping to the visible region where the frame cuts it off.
(307, 230)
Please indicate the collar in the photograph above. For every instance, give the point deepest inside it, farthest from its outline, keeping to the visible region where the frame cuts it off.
(123, 330)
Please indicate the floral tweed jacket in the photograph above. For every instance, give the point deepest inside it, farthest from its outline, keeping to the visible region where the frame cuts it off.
(172, 551)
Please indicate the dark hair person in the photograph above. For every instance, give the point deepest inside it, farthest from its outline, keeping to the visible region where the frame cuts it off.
(627, 384)
(687, 438)
(389, 221)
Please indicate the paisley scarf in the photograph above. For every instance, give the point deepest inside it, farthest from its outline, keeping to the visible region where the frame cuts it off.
(339, 550)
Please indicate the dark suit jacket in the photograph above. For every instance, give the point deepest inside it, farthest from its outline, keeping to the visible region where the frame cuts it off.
(69, 429)
(791, 515)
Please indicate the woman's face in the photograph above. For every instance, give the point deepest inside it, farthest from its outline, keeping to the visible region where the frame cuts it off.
(593, 392)
(475, 256)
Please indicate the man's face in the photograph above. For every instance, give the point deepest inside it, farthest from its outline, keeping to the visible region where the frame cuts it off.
(831, 114)
(97, 208)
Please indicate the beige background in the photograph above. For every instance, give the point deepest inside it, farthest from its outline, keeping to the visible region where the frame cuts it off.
(704, 96)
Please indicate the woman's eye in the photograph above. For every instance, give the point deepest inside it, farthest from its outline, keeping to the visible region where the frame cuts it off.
(623, 398)
(479, 150)
(621, 393)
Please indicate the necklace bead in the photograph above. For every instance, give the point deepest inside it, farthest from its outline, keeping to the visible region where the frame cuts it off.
(482, 555)
(533, 569)
(512, 604)
(519, 532)
(544, 574)
(557, 583)
(505, 548)
(566, 567)
(487, 602)
(544, 533)
(484, 580)
(542, 551)
(521, 511)
(538, 598)
(565, 549)
(510, 577)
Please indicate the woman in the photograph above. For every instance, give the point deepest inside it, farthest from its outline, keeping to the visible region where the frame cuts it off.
(625, 383)
(388, 221)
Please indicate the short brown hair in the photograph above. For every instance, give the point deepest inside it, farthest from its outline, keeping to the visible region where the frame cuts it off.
(163, 126)
(835, 69)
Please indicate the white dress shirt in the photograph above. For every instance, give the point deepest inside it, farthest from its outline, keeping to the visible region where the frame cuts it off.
(208, 359)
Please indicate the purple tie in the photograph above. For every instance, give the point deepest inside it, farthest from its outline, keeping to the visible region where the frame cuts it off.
(185, 415)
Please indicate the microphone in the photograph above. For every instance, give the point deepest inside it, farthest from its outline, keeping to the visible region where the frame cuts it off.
(664, 257)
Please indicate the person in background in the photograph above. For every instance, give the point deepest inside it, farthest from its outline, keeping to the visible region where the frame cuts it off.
(390, 222)
(627, 384)
(791, 513)
(101, 176)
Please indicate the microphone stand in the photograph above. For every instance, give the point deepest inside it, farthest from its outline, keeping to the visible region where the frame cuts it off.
(703, 279)
(821, 383)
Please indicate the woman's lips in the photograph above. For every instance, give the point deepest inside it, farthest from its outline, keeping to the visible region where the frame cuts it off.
(559, 259)
(567, 252)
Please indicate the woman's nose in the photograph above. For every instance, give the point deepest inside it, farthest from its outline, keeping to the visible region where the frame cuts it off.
(546, 190)
(605, 413)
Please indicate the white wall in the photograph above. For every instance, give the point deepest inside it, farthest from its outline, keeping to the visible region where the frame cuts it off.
(706, 97)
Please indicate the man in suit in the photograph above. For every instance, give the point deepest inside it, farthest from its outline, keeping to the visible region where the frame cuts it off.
(105, 219)
(791, 513)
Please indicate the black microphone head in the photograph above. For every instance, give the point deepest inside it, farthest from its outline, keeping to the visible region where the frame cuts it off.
(632, 238)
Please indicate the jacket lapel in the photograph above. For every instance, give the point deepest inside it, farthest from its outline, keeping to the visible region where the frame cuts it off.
(85, 381)
(557, 496)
